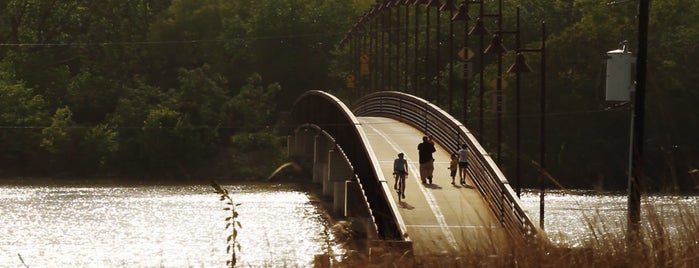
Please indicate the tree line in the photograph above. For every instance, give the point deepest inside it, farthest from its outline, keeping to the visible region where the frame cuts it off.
(163, 88)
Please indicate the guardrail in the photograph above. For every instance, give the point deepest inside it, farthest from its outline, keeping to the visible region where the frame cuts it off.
(334, 117)
(450, 134)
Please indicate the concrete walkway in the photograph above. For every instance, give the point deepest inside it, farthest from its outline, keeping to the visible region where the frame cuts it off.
(440, 218)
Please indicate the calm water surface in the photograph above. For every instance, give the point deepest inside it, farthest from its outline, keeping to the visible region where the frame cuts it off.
(157, 226)
(568, 215)
(183, 226)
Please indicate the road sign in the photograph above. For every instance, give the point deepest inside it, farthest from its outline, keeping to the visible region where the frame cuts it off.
(349, 79)
(466, 53)
(364, 58)
(364, 66)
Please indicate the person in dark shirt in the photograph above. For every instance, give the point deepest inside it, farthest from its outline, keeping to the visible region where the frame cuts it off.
(425, 150)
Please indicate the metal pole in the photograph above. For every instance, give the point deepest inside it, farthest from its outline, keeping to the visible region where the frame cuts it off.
(389, 34)
(397, 44)
(427, 54)
(542, 159)
(451, 61)
(417, 50)
(465, 68)
(518, 184)
(407, 40)
(481, 78)
(634, 191)
(437, 50)
(498, 90)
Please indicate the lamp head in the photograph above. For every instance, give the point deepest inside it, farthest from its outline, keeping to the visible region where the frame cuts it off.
(434, 3)
(520, 66)
(495, 46)
(461, 13)
(448, 5)
(479, 28)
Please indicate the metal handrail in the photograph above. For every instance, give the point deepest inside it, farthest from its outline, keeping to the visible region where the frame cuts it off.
(449, 133)
(343, 155)
(333, 116)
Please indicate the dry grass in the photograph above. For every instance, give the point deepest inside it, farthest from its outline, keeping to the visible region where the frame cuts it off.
(668, 241)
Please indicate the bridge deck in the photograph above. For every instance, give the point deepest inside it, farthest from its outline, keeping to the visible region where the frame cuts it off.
(439, 217)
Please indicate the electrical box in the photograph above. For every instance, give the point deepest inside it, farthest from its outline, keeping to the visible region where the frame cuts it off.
(619, 82)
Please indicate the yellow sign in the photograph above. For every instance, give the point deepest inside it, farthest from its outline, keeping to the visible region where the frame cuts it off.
(364, 66)
(364, 58)
(350, 80)
(364, 69)
(466, 53)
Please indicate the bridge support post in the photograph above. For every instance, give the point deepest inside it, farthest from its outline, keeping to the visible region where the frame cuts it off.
(321, 145)
(358, 211)
(291, 146)
(338, 171)
(303, 146)
(340, 197)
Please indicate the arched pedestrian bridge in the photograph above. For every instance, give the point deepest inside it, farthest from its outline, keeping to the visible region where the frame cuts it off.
(351, 149)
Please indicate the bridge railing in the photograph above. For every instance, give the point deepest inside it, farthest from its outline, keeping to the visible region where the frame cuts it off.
(334, 117)
(450, 134)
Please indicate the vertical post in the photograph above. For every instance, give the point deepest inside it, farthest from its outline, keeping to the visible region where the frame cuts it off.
(451, 61)
(437, 50)
(465, 63)
(397, 44)
(417, 50)
(407, 39)
(518, 185)
(634, 192)
(427, 54)
(542, 159)
(498, 91)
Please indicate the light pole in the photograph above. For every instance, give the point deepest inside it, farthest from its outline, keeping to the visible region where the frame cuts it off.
(406, 3)
(449, 6)
(480, 30)
(436, 4)
(417, 4)
(518, 67)
(462, 15)
(634, 186)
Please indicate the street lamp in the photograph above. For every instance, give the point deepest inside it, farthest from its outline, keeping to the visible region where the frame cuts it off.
(480, 30)
(497, 48)
(462, 15)
(518, 67)
(417, 4)
(436, 4)
(448, 5)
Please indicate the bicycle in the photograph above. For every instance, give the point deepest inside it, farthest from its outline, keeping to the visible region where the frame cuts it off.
(400, 183)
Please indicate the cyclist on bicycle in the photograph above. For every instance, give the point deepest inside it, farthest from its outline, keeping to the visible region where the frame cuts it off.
(400, 169)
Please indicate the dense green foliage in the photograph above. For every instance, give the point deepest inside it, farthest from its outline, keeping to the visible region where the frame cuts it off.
(587, 138)
(155, 88)
(165, 87)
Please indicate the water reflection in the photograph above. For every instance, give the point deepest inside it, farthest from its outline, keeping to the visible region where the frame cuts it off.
(157, 226)
(571, 216)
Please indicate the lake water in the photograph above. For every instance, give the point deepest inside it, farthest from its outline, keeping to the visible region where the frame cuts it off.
(183, 226)
(157, 226)
(568, 215)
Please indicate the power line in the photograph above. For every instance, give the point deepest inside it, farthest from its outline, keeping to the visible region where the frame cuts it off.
(172, 42)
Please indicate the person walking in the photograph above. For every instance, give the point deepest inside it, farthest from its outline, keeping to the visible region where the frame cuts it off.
(453, 166)
(425, 150)
(463, 163)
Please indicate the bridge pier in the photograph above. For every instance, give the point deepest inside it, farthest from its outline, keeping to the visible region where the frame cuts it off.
(318, 152)
(301, 149)
(321, 146)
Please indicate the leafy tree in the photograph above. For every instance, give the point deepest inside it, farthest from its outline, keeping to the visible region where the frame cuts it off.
(254, 106)
(22, 114)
